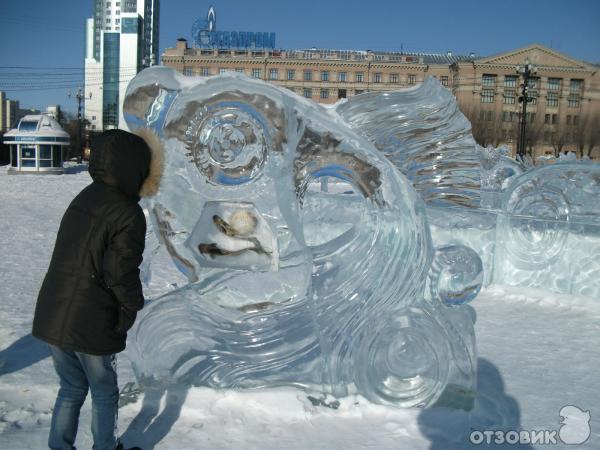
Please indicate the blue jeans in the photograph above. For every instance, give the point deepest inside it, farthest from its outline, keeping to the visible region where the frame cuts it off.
(78, 372)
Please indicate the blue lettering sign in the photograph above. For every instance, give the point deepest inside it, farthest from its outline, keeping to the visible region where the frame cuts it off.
(236, 39)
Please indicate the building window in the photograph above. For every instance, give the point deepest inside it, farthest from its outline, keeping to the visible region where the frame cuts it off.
(273, 74)
(533, 82)
(488, 80)
(308, 75)
(554, 84)
(552, 99)
(308, 92)
(187, 71)
(108, 21)
(509, 97)
(359, 77)
(324, 93)
(222, 71)
(532, 98)
(239, 69)
(118, 13)
(573, 101)
(487, 96)
(256, 73)
(394, 78)
(576, 86)
(412, 79)
(291, 74)
(341, 93)
(444, 80)
(117, 21)
(575, 120)
(342, 77)
(377, 78)
(568, 119)
(510, 81)
(205, 71)
(325, 75)
(554, 119)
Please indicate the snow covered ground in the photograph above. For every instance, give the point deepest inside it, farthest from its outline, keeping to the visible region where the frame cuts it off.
(538, 352)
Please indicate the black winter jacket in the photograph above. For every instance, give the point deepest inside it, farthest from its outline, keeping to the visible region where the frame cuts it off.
(92, 291)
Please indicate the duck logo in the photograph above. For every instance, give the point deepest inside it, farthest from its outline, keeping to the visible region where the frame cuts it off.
(575, 427)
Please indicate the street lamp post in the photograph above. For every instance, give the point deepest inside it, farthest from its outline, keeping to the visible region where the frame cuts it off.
(79, 96)
(526, 69)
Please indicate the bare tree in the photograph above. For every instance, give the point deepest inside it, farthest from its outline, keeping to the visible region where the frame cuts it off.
(580, 135)
(559, 138)
(487, 129)
(593, 135)
(533, 136)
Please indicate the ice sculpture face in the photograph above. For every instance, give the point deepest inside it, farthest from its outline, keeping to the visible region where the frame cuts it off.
(308, 253)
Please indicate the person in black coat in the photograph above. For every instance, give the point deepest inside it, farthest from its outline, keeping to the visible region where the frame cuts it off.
(92, 290)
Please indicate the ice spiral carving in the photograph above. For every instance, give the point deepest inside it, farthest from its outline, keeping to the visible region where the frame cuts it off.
(549, 229)
(308, 253)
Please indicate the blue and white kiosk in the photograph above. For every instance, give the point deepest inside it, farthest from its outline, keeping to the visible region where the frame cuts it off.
(37, 145)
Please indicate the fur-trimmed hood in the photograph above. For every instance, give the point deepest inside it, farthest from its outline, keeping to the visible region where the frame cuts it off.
(130, 162)
(157, 162)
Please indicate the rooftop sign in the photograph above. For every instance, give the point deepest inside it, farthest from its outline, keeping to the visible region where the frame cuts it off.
(205, 35)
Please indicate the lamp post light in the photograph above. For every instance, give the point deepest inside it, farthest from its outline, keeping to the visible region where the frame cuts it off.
(527, 70)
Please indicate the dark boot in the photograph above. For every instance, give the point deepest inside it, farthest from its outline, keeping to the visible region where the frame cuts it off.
(120, 447)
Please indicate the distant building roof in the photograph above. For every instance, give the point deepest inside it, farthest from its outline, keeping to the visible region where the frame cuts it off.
(37, 125)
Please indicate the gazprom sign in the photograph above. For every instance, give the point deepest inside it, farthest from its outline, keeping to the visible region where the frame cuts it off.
(241, 39)
(205, 35)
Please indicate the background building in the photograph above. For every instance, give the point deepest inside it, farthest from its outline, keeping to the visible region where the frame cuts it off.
(9, 113)
(564, 114)
(121, 40)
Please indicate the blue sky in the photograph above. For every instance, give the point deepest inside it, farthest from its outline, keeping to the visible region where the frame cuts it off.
(38, 33)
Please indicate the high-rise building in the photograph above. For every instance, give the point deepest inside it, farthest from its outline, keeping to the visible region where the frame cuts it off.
(121, 40)
(9, 110)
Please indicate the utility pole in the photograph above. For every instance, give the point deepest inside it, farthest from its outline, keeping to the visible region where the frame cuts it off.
(527, 69)
(80, 97)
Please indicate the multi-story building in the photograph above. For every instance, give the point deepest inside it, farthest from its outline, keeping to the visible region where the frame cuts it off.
(9, 110)
(121, 40)
(565, 92)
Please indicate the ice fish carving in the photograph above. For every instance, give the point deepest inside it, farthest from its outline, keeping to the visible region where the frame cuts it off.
(308, 253)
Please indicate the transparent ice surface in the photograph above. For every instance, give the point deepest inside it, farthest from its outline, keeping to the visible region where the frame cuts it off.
(424, 134)
(549, 230)
(308, 254)
(523, 227)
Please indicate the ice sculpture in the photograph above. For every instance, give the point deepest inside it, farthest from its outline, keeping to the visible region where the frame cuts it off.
(308, 254)
(422, 131)
(523, 227)
(549, 230)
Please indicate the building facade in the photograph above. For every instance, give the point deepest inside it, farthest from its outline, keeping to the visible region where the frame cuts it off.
(9, 111)
(121, 40)
(565, 92)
